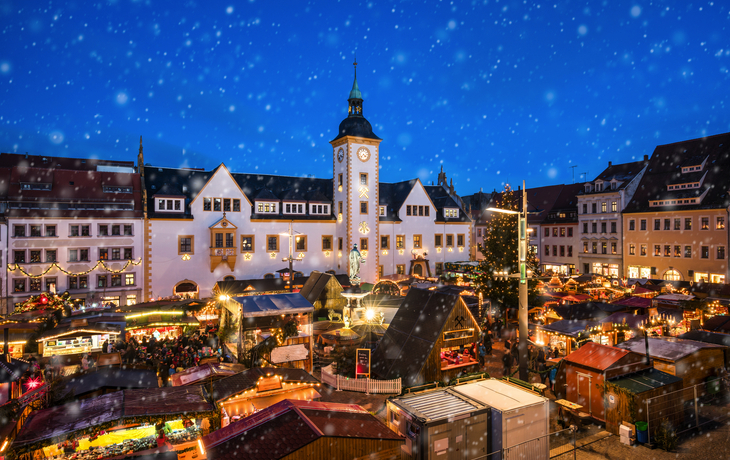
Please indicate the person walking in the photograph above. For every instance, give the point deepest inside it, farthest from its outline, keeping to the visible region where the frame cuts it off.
(482, 355)
(506, 363)
(488, 343)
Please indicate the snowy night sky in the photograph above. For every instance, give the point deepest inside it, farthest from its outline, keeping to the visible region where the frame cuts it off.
(496, 91)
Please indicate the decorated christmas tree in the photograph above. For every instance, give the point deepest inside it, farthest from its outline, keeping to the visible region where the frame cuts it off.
(42, 301)
(500, 250)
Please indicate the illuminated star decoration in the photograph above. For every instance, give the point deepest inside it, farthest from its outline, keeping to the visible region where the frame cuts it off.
(364, 229)
(33, 383)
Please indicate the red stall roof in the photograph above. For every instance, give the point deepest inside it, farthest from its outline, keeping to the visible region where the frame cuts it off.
(596, 356)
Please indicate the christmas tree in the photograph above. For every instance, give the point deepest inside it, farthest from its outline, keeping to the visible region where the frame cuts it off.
(42, 301)
(500, 249)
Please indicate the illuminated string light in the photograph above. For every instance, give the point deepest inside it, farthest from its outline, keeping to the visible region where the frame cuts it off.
(100, 263)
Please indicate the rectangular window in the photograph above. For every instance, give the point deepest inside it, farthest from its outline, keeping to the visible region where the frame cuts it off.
(555, 250)
(227, 204)
(678, 224)
(705, 223)
(206, 204)
(721, 252)
(688, 252)
(585, 208)
(300, 242)
(613, 248)
(400, 269)
(439, 268)
(364, 244)
(84, 255)
(384, 241)
(593, 208)
(632, 225)
(585, 227)
(35, 256)
(229, 240)
(547, 231)
(562, 251)
(449, 240)
(72, 231)
(381, 210)
(327, 243)
(35, 230)
(614, 206)
(103, 230)
(555, 231)
(161, 204)
(236, 205)
(562, 231)
(667, 250)
(570, 232)
(185, 244)
(19, 231)
(632, 249)
(705, 252)
(603, 227)
(657, 250)
(585, 248)
(116, 279)
(460, 240)
(339, 243)
(73, 255)
(720, 223)
(116, 253)
(603, 207)
(380, 271)
(604, 248)
(169, 205)
(128, 253)
(570, 251)
(547, 250)
(178, 206)
(594, 227)
(642, 225)
(116, 230)
(408, 210)
(218, 240)
(19, 285)
(216, 204)
(644, 249)
(272, 243)
(50, 255)
(50, 230)
(363, 207)
(83, 282)
(247, 243)
(677, 251)
(438, 240)
(417, 242)
(400, 241)
(35, 284)
(339, 182)
(688, 223)
(129, 279)
(85, 230)
(101, 281)
(594, 248)
(363, 179)
(50, 284)
(657, 224)
(426, 210)
(613, 227)
(103, 254)
(667, 224)
(73, 282)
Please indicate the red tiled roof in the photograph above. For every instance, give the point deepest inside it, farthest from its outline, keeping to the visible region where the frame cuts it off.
(596, 356)
(291, 424)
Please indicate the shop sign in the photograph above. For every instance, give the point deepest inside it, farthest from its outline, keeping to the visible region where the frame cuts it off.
(289, 353)
(269, 383)
(362, 360)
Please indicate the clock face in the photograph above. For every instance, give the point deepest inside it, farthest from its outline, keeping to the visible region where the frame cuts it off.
(363, 154)
(340, 155)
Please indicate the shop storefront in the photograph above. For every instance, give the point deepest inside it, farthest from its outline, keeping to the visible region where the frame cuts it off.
(639, 272)
(70, 340)
(159, 324)
(607, 270)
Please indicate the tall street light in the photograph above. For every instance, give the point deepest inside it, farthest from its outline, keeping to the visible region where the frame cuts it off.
(291, 259)
(522, 255)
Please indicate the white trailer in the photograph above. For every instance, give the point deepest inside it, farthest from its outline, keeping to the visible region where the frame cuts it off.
(519, 419)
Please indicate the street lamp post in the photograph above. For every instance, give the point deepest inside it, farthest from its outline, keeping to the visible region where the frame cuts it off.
(522, 258)
(291, 258)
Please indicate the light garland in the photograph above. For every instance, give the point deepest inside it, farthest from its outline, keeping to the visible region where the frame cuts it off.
(76, 331)
(14, 267)
(139, 315)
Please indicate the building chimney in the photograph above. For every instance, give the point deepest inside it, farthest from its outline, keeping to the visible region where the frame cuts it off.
(609, 164)
(646, 157)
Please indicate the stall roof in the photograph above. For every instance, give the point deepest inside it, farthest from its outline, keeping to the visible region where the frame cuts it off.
(237, 383)
(715, 323)
(13, 370)
(437, 404)
(665, 349)
(499, 395)
(289, 425)
(67, 331)
(108, 378)
(274, 304)
(645, 380)
(596, 356)
(63, 421)
(587, 310)
(707, 337)
(633, 321)
(205, 371)
(569, 327)
(165, 305)
(634, 302)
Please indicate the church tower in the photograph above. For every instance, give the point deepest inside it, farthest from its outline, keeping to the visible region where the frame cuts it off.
(356, 159)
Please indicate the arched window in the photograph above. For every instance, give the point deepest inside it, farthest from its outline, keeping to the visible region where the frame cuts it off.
(672, 275)
(229, 278)
(269, 276)
(298, 275)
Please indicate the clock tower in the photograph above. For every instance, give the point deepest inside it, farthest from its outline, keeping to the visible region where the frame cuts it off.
(355, 153)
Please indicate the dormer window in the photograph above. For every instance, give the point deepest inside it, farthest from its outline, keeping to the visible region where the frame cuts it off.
(34, 186)
(588, 188)
(169, 205)
(319, 209)
(614, 185)
(599, 186)
(381, 210)
(263, 207)
(293, 208)
(451, 213)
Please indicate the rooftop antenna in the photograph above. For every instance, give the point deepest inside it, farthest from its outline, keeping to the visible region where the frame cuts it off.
(573, 168)
(585, 176)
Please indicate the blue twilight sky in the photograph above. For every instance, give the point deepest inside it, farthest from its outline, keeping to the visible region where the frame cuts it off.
(496, 91)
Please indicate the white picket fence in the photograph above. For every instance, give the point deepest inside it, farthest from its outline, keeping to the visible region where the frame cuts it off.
(362, 385)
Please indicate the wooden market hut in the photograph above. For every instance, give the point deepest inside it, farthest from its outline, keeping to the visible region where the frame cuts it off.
(586, 370)
(689, 360)
(323, 291)
(563, 334)
(626, 396)
(205, 372)
(617, 328)
(302, 430)
(18, 333)
(258, 317)
(252, 390)
(425, 334)
(710, 337)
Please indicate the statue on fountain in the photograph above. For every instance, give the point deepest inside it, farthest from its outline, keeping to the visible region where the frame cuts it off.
(355, 260)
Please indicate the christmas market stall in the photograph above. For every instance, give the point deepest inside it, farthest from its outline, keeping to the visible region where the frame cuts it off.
(710, 337)
(118, 423)
(18, 333)
(11, 371)
(252, 390)
(208, 372)
(586, 370)
(618, 327)
(689, 360)
(564, 335)
(295, 429)
(274, 329)
(76, 337)
(161, 324)
(431, 338)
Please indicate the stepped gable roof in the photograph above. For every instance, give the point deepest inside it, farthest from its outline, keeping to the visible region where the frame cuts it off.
(289, 425)
(409, 340)
(392, 196)
(665, 167)
(245, 380)
(441, 199)
(187, 182)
